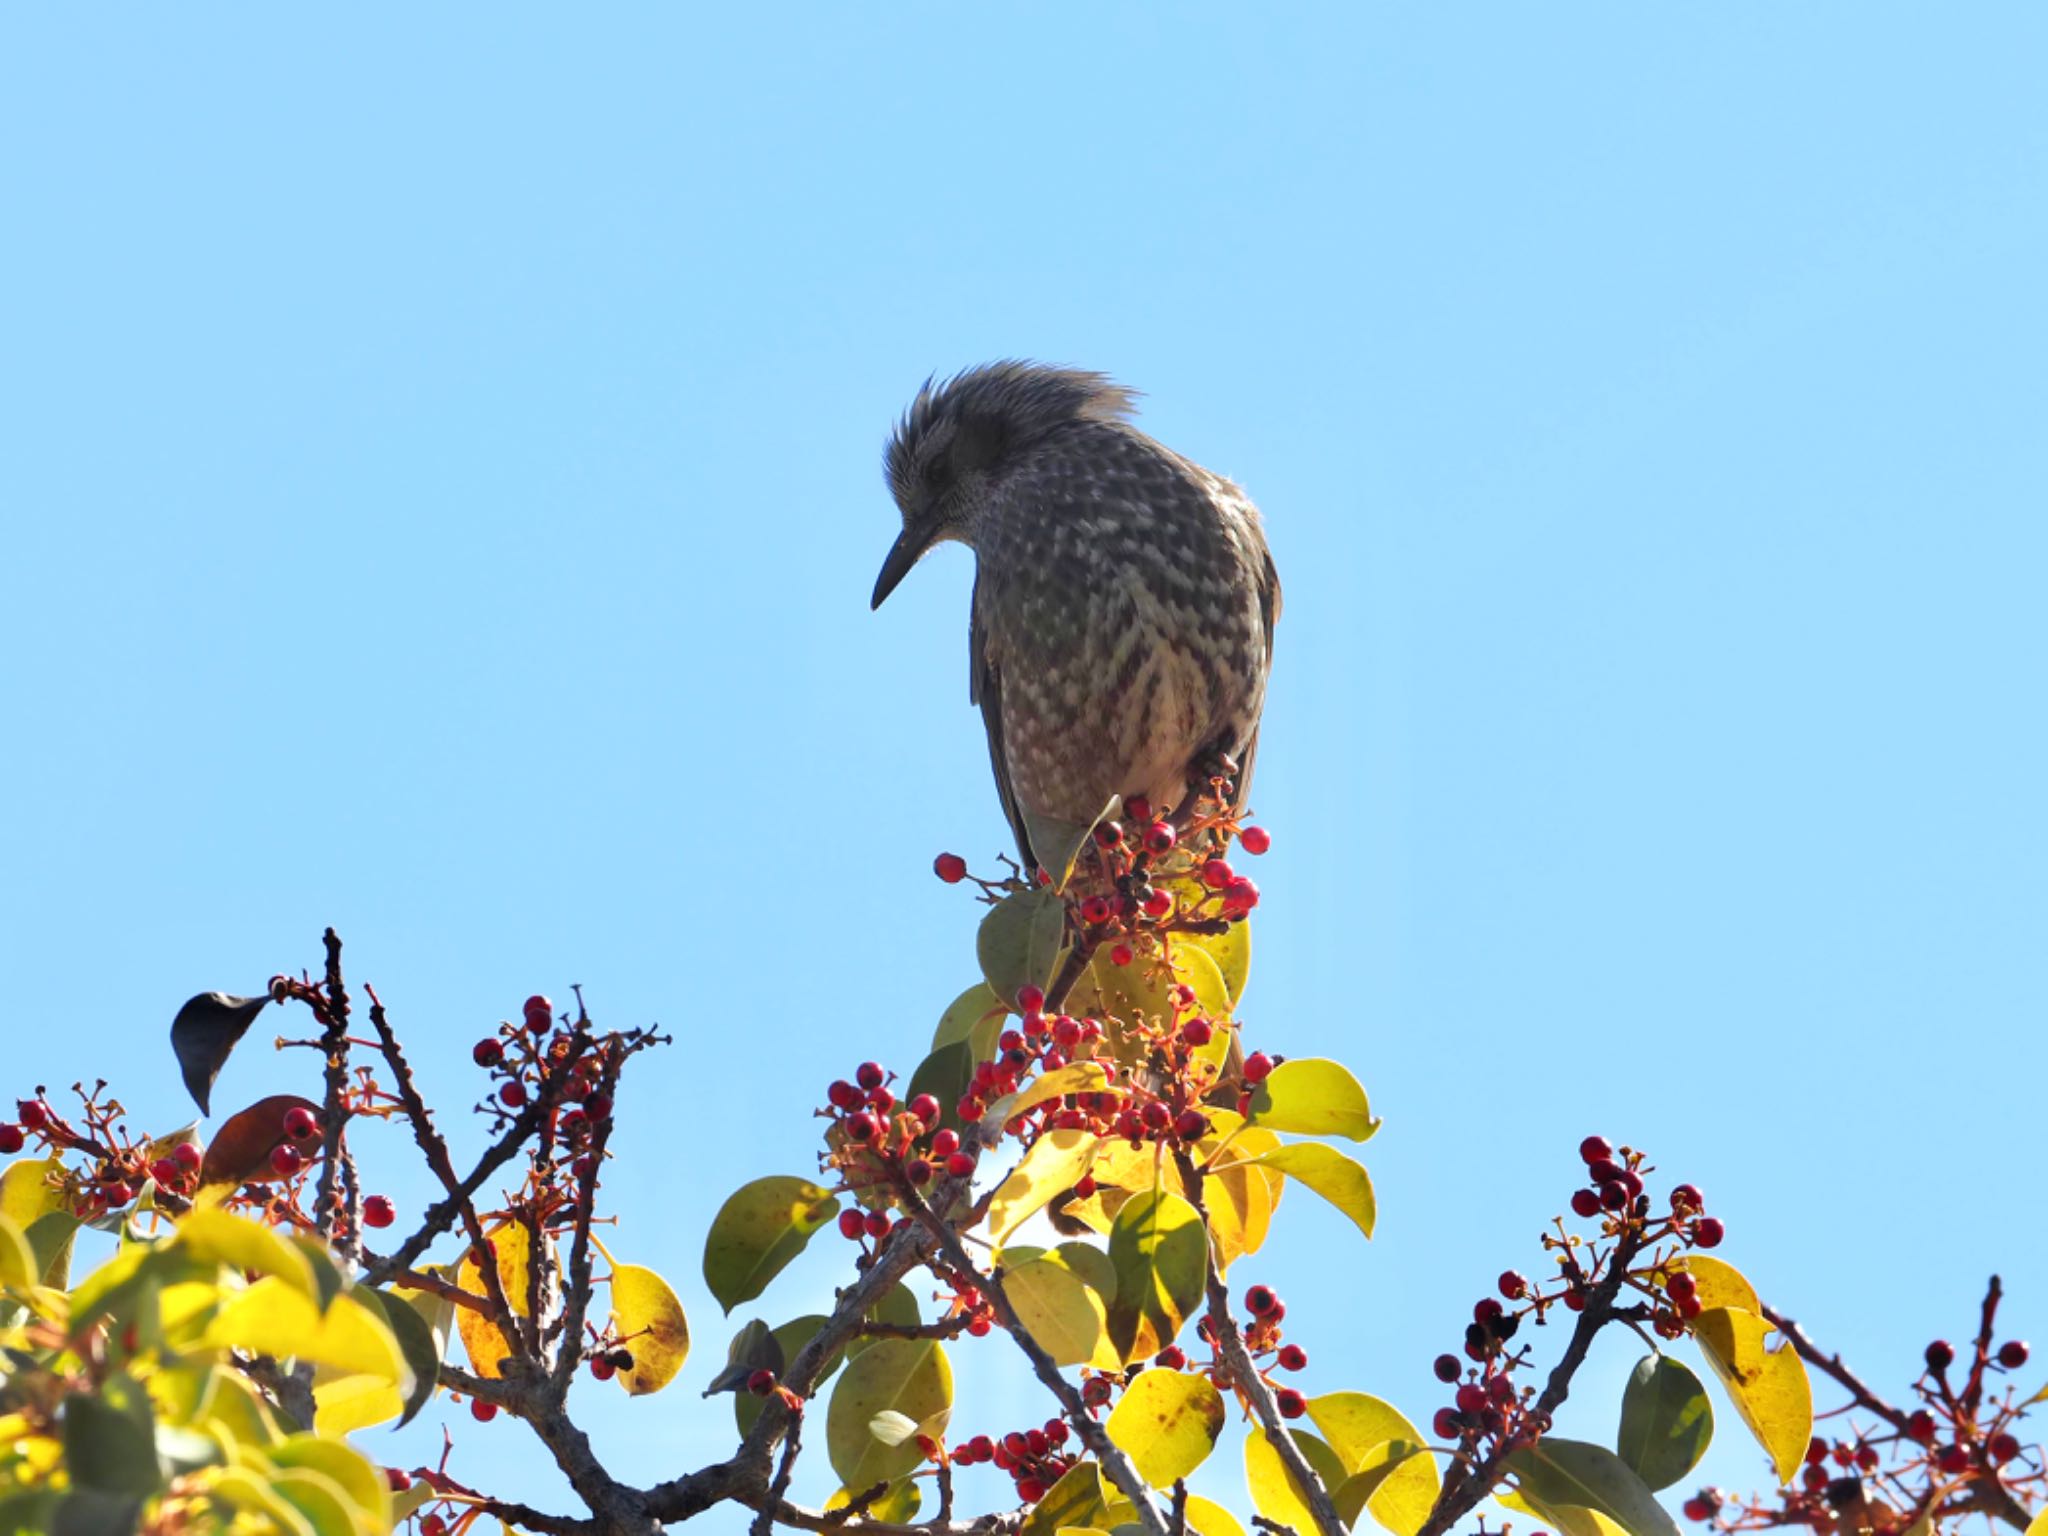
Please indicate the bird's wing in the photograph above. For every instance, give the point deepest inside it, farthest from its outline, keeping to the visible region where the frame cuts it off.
(985, 687)
(1269, 612)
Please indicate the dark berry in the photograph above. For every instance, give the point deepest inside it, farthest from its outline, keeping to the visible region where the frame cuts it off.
(870, 1075)
(11, 1139)
(1192, 1125)
(1604, 1170)
(843, 1095)
(2003, 1448)
(1447, 1424)
(1920, 1427)
(1687, 1197)
(1954, 1459)
(1447, 1368)
(950, 867)
(1940, 1355)
(861, 1127)
(2012, 1354)
(488, 1052)
(1596, 1149)
(1708, 1232)
(1512, 1285)
(33, 1114)
(1816, 1451)
(1613, 1195)
(1585, 1203)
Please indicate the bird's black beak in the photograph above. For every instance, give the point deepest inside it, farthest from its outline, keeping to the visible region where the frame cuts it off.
(903, 554)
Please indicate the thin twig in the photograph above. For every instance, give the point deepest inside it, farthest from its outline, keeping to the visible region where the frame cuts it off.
(1832, 1367)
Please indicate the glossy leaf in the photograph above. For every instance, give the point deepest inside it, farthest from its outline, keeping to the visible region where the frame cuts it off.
(240, 1150)
(1373, 1440)
(1338, 1179)
(1311, 1096)
(1167, 1423)
(205, 1032)
(418, 1342)
(217, 1237)
(975, 1018)
(1052, 1166)
(1275, 1494)
(1242, 1197)
(1019, 941)
(906, 1376)
(1666, 1421)
(1769, 1388)
(1060, 1311)
(326, 1507)
(759, 1229)
(1160, 1253)
(1207, 1518)
(1574, 1473)
(649, 1319)
(1080, 1500)
(946, 1075)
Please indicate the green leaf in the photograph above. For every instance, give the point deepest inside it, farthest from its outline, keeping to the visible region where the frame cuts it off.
(89, 1512)
(1555, 1471)
(649, 1319)
(1019, 942)
(346, 1468)
(759, 1229)
(1058, 1310)
(1338, 1179)
(1055, 843)
(1090, 1265)
(906, 1376)
(1374, 1441)
(897, 1305)
(419, 1344)
(1769, 1388)
(1056, 1160)
(52, 1236)
(1666, 1421)
(975, 1018)
(1167, 1423)
(315, 1495)
(1311, 1096)
(1275, 1494)
(1160, 1253)
(946, 1075)
(1078, 1500)
(789, 1341)
(110, 1447)
(754, 1348)
(18, 1267)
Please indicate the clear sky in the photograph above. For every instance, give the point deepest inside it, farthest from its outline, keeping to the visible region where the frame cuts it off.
(439, 472)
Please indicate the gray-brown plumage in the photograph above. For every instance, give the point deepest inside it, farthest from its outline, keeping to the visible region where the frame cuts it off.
(1124, 597)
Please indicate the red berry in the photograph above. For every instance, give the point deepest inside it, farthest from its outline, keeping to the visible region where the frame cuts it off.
(1122, 954)
(861, 1127)
(1940, 1355)
(539, 1011)
(761, 1383)
(1448, 1425)
(1192, 1125)
(487, 1053)
(1512, 1285)
(1155, 1115)
(1138, 808)
(1954, 1459)
(513, 1094)
(1596, 1149)
(1613, 1196)
(945, 1142)
(1816, 1451)
(2012, 1354)
(1160, 837)
(119, 1194)
(1240, 896)
(378, 1211)
(1585, 1203)
(1197, 1032)
(1472, 1399)
(1170, 1358)
(1255, 839)
(1030, 999)
(1292, 1404)
(33, 1114)
(1257, 1067)
(1708, 1232)
(397, 1479)
(163, 1170)
(11, 1139)
(1216, 874)
(1260, 1300)
(879, 1224)
(601, 1366)
(1687, 1197)
(1697, 1509)
(950, 867)
(482, 1411)
(843, 1095)
(1030, 1489)
(1109, 834)
(870, 1076)
(1096, 911)
(959, 1165)
(300, 1123)
(1447, 1368)
(1486, 1310)
(852, 1224)
(433, 1525)
(1293, 1358)
(285, 1161)
(2003, 1448)
(924, 1107)
(1920, 1426)
(1157, 901)
(1682, 1287)
(187, 1156)
(1866, 1458)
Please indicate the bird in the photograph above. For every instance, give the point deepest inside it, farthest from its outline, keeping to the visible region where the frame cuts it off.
(1120, 632)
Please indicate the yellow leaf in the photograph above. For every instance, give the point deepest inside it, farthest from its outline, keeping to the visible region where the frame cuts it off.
(1274, 1492)
(347, 1468)
(1230, 950)
(1241, 1199)
(1721, 1284)
(898, 1506)
(27, 1190)
(1366, 1433)
(271, 1318)
(1054, 1163)
(1167, 1423)
(1768, 1387)
(216, 1237)
(252, 1494)
(1074, 1077)
(346, 1404)
(1211, 1519)
(483, 1340)
(1062, 1313)
(1338, 1179)
(18, 1268)
(1311, 1096)
(649, 1320)
(1161, 1255)
(2038, 1526)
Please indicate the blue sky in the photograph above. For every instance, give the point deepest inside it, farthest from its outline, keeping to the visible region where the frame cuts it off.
(441, 497)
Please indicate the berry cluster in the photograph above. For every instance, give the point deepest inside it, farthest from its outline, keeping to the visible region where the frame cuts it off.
(1034, 1458)
(519, 1056)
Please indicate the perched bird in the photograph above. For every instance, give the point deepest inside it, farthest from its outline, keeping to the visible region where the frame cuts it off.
(1124, 597)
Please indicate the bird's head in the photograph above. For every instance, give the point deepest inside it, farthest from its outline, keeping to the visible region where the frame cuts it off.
(960, 433)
